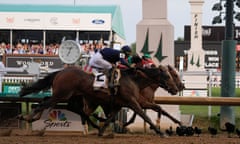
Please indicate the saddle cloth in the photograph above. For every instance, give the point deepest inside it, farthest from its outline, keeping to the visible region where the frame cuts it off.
(101, 80)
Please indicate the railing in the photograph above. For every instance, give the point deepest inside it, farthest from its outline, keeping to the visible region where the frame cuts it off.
(212, 81)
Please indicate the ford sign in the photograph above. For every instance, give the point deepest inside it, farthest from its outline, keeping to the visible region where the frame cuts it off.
(98, 21)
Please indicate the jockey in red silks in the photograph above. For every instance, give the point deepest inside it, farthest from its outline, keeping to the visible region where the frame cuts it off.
(147, 61)
(136, 61)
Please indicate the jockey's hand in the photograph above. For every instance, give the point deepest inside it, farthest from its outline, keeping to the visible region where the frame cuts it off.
(114, 65)
(133, 65)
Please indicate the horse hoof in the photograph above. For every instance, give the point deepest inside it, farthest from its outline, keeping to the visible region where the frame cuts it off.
(110, 135)
(151, 127)
(163, 136)
(100, 134)
(180, 124)
(20, 117)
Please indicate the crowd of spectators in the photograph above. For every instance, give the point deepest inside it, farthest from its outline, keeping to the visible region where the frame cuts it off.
(50, 49)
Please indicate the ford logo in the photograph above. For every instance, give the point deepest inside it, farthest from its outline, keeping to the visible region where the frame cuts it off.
(98, 21)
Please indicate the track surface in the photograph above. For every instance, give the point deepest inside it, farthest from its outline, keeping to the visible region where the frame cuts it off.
(119, 139)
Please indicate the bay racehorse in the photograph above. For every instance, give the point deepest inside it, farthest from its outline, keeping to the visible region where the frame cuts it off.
(149, 92)
(73, 81)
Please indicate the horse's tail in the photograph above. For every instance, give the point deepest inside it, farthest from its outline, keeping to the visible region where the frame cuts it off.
(41, 84)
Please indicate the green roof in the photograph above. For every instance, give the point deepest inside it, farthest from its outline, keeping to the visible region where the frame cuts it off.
(114, 10)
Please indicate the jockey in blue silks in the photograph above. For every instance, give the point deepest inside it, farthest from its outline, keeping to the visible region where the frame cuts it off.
(105, 58)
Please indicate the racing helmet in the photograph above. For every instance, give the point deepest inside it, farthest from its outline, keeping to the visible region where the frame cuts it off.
(126, 50)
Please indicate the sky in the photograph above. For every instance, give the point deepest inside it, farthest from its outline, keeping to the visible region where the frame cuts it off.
(178, 12)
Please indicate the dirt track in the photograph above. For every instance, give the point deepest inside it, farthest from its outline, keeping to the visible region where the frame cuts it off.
(119, 139)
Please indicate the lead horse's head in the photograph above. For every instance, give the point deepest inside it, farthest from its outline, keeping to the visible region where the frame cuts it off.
(176, 78)
(166, 80)
(161, 77)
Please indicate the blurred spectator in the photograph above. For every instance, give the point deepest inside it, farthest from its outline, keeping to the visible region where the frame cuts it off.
(2, 48)
(8, 49)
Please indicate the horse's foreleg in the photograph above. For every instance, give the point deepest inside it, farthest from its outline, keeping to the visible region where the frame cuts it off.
(131, 120)
(93, 124)
(158, 118)
(136, 108)
(160, 111)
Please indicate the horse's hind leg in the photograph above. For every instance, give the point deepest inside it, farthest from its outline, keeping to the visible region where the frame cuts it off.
(36, 114)
(110, 118)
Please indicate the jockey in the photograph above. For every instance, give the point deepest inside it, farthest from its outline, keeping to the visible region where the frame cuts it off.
(135, 61)
(105, 58)
(147, 61)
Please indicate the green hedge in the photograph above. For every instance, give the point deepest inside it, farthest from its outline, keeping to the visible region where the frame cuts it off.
(216, 92)
(201, 112)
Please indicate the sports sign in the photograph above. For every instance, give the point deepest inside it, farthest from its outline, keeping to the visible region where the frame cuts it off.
(58, 120)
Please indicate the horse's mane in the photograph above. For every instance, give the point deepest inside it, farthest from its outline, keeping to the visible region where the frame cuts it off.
(143, 77)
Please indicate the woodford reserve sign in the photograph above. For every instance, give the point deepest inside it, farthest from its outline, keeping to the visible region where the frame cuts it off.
(18, 60)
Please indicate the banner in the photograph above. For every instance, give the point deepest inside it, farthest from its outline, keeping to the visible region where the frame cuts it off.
(55, 21)
(59, 120)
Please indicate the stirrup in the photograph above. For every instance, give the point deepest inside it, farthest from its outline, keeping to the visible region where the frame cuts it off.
(113, 85)
(113, 77)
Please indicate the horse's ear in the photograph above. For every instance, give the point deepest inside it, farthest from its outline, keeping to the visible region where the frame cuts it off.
(161, 67)
(170, 67)
(142, 74)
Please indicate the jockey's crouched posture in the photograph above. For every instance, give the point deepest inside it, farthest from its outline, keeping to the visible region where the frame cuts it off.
(108, 57)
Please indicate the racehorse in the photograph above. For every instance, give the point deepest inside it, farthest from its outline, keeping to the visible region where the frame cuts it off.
(74, 82)
(176, 78)
(148, 94)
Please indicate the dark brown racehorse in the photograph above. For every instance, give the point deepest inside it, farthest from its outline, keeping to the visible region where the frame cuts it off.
(175, 75)
(147, 96)
(149, 92)
(74, 82)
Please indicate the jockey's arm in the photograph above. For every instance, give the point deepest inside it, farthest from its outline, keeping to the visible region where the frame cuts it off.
(124, 62)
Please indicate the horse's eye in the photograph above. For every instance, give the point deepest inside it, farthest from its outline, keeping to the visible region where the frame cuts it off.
(168, 77)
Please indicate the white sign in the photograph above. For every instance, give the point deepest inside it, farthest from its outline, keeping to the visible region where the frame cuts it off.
(213, 58)
(195, 92)
(181, 63)
(55, 21)
(211, 52)
(59, 120)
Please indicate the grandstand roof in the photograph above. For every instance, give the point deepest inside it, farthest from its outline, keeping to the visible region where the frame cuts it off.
(114, 10)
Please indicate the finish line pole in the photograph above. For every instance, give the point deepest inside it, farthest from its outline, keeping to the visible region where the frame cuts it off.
(228, 67)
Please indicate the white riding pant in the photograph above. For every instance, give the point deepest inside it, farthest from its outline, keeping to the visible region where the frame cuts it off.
(97, 61)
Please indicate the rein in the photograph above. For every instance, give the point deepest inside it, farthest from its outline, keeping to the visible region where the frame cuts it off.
(144, 78)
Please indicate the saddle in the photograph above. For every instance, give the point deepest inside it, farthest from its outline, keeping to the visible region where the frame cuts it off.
(107, 80)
